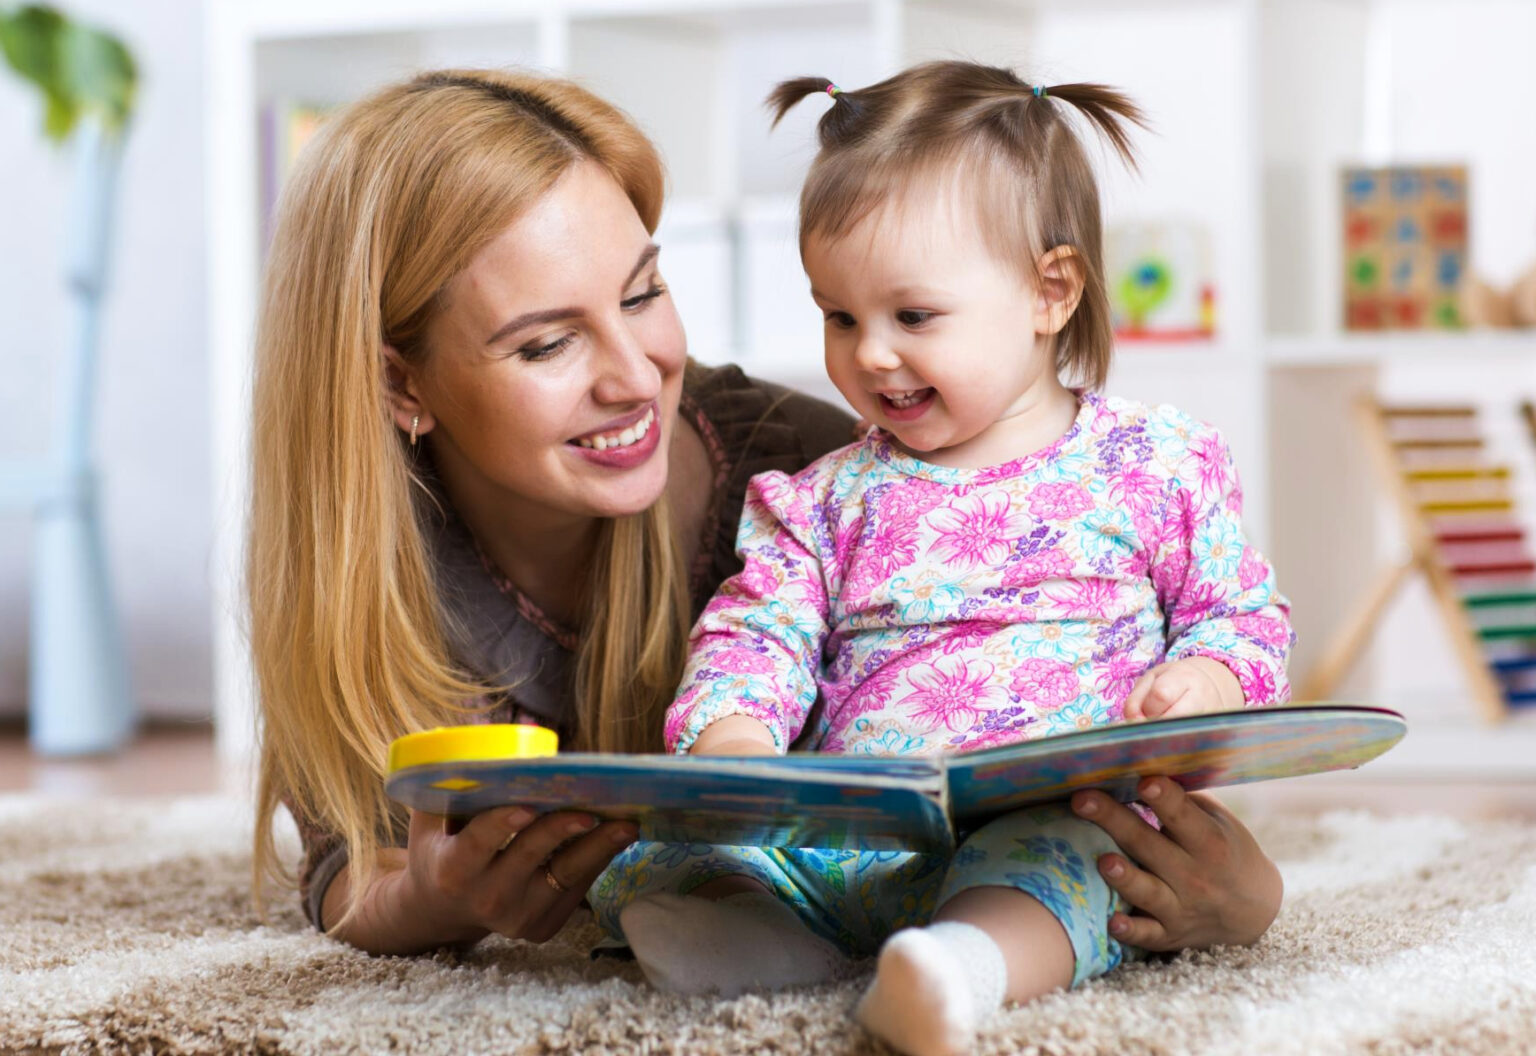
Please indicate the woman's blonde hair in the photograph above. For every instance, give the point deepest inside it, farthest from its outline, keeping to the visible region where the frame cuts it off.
(394, 198)
(1013, 145)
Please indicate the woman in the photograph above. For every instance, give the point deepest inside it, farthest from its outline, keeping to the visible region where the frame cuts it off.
(489, 486)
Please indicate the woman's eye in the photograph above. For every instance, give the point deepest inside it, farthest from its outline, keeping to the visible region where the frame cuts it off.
(841, 320)
(535, 353)
(913, 317)
(640, 300)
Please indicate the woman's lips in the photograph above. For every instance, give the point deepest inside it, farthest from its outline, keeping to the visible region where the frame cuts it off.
(622, 448)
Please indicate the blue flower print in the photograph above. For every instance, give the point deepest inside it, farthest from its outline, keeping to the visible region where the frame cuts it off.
(1084, 713)
(1218, 547)
(779, 619)
(1107, 532)
(670, 855)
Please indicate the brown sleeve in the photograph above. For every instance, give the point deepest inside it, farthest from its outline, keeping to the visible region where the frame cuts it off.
(759, 426)
(325, 854)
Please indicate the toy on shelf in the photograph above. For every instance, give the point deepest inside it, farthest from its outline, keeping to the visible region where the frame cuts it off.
(1484, 304)
(1463, 538)
(1160, 284)
(1405, 247)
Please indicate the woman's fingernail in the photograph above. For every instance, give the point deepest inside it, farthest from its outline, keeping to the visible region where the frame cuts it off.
(1118, 927)
(1153, 789)
(1113, 870)
(581, 825)
(623, 835)
(1088, 806)
(519, 818)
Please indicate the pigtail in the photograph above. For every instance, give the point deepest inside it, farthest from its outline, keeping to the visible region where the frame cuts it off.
(837, 126)
(1108, 110)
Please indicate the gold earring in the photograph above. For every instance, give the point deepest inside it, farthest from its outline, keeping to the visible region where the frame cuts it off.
(415, 421)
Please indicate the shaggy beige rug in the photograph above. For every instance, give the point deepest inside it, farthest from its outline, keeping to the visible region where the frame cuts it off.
(126, 927)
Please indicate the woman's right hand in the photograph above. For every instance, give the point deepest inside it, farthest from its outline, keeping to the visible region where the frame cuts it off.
(510, 870)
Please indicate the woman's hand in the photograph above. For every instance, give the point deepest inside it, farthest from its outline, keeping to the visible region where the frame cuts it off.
(508, 871)
(1202, 881)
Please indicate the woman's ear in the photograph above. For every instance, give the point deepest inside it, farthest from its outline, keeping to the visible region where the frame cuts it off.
(403, 390)
(1059, 277)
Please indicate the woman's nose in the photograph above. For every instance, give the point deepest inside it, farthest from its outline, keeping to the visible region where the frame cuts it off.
(626, 374)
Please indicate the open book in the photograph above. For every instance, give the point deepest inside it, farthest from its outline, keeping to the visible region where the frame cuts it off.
(892, 802)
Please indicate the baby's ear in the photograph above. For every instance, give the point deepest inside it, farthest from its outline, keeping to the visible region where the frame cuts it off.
(1059, 286)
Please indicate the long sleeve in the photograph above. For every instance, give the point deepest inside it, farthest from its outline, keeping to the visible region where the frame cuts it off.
(757, 647)
(1217, 591)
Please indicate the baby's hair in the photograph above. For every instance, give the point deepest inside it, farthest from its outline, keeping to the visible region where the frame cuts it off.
(1010, 142)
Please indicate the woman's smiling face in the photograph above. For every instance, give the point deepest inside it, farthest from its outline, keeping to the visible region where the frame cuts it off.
(555, 368)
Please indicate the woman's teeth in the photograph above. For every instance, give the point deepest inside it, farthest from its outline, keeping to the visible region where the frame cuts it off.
(908, 399)
(623, 438)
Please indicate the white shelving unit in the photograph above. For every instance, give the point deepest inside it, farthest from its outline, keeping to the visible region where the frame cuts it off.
(1255, 105)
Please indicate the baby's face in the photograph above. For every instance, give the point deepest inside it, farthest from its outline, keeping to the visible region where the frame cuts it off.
(928, 335)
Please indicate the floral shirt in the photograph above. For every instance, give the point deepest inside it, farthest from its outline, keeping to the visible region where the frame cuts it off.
(891, 606)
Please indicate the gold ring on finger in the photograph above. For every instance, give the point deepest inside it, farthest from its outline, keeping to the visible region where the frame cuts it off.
(554, 882)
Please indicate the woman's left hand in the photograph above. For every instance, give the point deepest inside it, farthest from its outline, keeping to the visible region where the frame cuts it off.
(1202, 881)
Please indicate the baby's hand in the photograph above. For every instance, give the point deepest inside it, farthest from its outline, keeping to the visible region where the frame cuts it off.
(735, 735)
(1191, 686)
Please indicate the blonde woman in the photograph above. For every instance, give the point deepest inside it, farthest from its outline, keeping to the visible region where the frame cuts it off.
(489, 486)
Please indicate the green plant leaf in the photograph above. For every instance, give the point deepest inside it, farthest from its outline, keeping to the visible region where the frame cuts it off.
(78, 70)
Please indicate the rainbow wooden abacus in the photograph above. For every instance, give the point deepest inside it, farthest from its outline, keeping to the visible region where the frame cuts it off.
(1464, 539)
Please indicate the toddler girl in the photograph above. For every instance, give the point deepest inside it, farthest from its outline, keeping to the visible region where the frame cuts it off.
(1003, 557)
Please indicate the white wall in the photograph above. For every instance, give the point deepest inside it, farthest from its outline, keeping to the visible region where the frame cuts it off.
(153, 425)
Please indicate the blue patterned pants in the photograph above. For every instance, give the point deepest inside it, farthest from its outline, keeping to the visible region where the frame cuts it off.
(857, 899)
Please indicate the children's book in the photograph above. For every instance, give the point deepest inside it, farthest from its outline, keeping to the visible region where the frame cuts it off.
(873, 802)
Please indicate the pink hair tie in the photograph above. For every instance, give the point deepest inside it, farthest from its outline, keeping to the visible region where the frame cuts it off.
(833, 90)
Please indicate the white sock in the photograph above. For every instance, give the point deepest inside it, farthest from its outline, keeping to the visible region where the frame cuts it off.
(690, 945)
(934, 987)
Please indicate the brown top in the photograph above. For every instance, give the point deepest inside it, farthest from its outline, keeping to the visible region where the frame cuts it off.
(749, 427)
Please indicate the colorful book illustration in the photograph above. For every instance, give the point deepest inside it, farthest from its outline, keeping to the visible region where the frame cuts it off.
(883, 802)
(1405, 247)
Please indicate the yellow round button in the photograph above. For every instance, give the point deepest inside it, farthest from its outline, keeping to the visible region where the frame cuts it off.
(467, 744)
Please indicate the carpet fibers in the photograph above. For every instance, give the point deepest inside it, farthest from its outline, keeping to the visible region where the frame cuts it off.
(126, 927)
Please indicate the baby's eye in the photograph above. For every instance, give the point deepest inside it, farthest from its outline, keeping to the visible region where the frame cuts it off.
(913, 317)
(841, 320)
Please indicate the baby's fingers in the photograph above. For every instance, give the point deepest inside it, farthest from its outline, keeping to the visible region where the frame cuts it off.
(1166, 692)
(1133, 709)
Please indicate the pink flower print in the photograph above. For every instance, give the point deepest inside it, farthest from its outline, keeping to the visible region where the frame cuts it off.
(1116, 678)
(1090, 598)
(1036, 568)
(912, 499)
(1059, 501)
(757, 580)
(1212, 462)
(846, 540)
(976, 529)
(1271, 632)
(1047, 684)
(951, 693)
(1136, 489)
(1169, 576)
(1258, 684)
(769, 489)
(1252, 570)
(738, 659)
